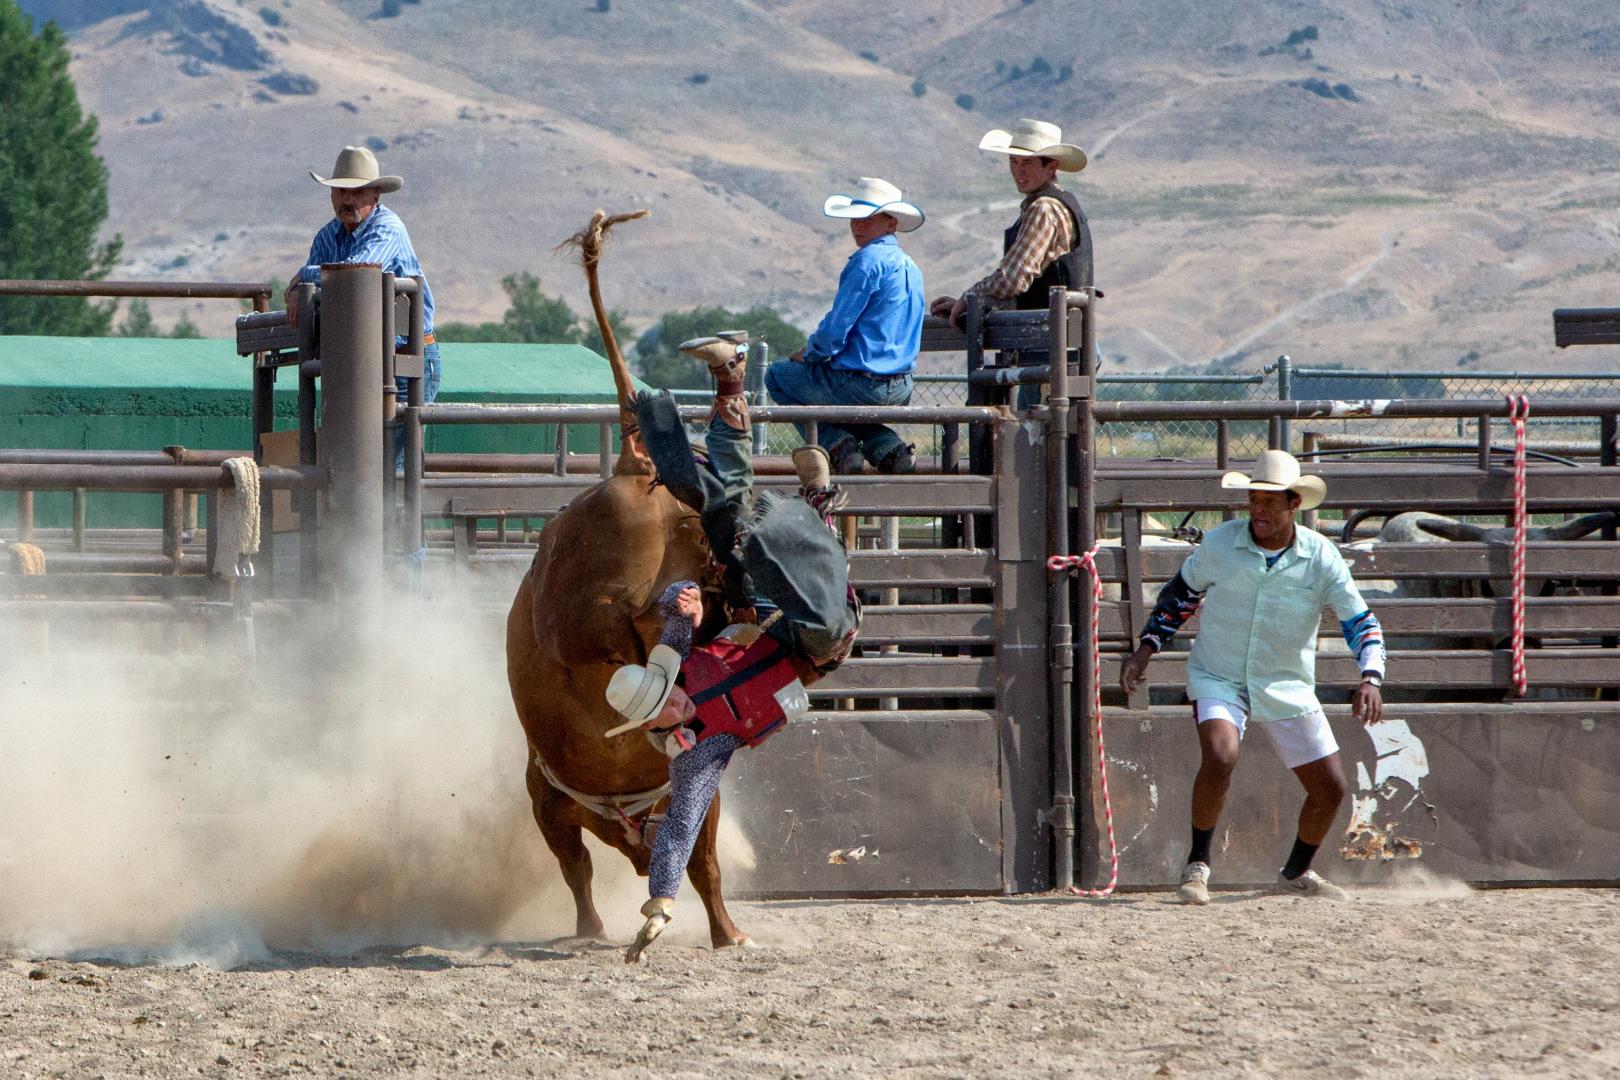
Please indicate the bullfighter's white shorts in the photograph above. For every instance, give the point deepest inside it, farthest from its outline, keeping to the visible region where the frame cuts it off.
(1299, 740)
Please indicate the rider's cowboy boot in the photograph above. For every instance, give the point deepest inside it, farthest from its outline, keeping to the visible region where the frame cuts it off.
(814, 467)
(659, 911)
(726, 356)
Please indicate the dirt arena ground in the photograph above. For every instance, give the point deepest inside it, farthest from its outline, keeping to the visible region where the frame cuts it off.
(1423, 981)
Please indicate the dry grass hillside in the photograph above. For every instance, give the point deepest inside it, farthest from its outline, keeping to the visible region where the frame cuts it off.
(1374, 182)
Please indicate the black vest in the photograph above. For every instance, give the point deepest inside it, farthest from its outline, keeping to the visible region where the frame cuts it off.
(1072, 270)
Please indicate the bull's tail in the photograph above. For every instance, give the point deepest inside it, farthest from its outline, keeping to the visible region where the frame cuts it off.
(590, 241)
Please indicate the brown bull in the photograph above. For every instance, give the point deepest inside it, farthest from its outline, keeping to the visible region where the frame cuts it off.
(585, 607)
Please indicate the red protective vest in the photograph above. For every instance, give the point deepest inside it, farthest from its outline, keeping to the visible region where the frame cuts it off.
(748, 691)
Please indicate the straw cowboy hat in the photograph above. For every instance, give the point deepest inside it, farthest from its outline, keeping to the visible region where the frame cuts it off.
(1276, 470)
(640, 693)
(357, 168)
(873, 196)
(1035, 138)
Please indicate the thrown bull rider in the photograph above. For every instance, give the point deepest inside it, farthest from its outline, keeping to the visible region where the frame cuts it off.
(785, 579)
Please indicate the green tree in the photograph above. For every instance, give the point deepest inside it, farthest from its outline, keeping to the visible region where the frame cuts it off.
(138, 321)
(184, 328)
(662, 364)
(53, 185)
(531, 316)
(620, 323)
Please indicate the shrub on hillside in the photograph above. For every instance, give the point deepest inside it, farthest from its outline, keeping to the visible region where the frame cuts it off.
(918, 88)
(964, 101)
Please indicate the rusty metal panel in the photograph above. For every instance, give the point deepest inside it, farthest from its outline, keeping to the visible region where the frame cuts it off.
(1518, 793)
(847, 806)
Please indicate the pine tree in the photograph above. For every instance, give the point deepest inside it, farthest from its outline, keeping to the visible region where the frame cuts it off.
(53, 185)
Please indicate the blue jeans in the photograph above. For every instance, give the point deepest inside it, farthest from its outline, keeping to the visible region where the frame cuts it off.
(430, 391)
(792, 383)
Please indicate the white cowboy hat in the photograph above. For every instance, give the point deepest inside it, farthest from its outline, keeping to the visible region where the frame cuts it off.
(873, 196)
(1276, 470)
(1035, 138)
(357, 168)
(640, 693)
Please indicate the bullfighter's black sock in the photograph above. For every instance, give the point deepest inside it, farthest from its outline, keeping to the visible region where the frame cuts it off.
(1299, 860)
(1200, 845)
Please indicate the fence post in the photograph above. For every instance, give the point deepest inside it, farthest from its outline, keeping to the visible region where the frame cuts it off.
(756, 378)
(351, 374)
(1061, 644)
(1084, 535)
(1022, 670)
(1283, 438)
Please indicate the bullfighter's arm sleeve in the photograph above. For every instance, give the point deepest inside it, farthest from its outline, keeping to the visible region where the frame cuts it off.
(1357, 622)
(1177, 602)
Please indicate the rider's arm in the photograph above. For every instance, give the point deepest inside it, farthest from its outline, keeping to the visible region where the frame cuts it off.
(679, 624)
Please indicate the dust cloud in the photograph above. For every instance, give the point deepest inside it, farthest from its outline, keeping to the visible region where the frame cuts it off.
(163, 802)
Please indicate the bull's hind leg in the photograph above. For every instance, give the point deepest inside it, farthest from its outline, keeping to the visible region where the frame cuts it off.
(704, 871)
(555, 813)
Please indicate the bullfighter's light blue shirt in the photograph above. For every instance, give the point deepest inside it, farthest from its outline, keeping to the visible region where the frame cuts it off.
(875, 324)
(381, 239)
(1257, 627)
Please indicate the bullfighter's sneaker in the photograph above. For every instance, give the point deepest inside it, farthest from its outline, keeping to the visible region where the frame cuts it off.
(1310, 883)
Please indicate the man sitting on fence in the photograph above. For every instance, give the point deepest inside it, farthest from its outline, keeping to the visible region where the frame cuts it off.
(363, 230)
(1049, 244)
(1259, 586)
(794, 619)
(863, 351)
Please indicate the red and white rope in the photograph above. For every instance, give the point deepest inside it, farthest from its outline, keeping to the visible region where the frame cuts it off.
(1518, 412)
(1089, 562)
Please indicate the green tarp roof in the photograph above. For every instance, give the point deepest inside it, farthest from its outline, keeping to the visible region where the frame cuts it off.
(472, 371)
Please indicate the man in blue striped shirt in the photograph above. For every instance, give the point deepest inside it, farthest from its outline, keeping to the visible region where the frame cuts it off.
(864, 349)
(363, 230)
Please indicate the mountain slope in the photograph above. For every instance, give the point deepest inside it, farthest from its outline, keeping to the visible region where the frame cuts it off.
(1373, 182)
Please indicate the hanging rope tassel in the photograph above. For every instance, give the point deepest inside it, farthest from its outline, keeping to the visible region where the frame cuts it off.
(1518, 412)
(1088, 561)
(238, 520)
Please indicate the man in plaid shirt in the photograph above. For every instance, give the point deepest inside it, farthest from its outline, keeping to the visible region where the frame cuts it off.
(1049, 244)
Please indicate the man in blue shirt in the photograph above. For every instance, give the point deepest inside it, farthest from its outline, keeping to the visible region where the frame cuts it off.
(1259, 586)
(864, 349)
(363, 230)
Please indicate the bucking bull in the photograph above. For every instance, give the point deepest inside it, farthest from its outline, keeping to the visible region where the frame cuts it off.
(587, 606)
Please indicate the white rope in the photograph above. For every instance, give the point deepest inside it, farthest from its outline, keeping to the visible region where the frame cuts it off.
(237, 519)
(619, 808)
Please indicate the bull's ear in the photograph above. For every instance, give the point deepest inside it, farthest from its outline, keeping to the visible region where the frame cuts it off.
(1578, 527)
(1452, 530)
